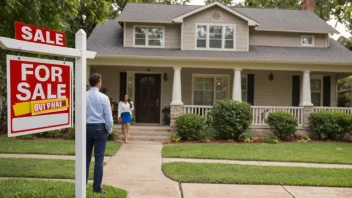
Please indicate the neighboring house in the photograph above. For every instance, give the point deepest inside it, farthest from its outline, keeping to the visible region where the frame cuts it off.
(190, 56)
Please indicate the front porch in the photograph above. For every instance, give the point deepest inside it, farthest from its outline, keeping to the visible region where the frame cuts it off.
(193, 90)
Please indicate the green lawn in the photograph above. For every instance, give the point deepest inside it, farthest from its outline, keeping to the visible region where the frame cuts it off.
(315, 152)
(47, 146)
(250, 174)
(45, 189)
(39, 168)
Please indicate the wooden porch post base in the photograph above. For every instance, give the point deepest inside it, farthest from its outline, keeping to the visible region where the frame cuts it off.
(175, 112)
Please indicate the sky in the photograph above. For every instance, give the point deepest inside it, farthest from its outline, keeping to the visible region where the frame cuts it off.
(339, 27)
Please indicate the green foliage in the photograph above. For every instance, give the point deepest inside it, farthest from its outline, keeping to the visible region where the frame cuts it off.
(209, 134)
(343, 101)
(271, 139)
(246, 137)
(25, 137)
(231, 118)
(189, 126)
(166, 112)
(71, 135)
(51, 134)
(283, 124)
(112, 136)
(332, 125)
(175, 138)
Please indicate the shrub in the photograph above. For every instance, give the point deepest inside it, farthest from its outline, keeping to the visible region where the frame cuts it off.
(166, 116)
(231, 118)
(189, 126)
(25, 137)
(112, 136)
(271, 140)
(247, 137)
(283, 124)
(332, 125)
(51, 134)
(71, 135)
(175, 138)
(209, 134)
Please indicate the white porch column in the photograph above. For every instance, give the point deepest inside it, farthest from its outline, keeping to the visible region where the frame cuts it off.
(176, 88)
(306, 93)
(236, 88)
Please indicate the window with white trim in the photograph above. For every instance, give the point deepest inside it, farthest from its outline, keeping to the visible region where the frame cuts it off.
(149, 36)
(215, 36)
(307, 40)
(316, 91)
(206, 89)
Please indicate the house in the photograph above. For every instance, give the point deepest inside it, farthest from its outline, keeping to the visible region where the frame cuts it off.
(189, 56)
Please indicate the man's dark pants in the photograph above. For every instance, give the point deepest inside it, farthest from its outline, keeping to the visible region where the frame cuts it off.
(96, 137)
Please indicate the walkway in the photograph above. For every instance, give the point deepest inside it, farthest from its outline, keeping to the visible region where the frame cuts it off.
(137, 168)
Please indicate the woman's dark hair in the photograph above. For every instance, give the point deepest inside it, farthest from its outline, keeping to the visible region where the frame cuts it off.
(129, 101)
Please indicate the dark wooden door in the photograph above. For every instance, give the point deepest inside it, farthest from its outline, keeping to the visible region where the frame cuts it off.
(148, 90)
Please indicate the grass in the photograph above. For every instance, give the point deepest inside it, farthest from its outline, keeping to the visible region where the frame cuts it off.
(47, 146)
(44, 189)
(39, 168)
(250, 174)
(314, 152)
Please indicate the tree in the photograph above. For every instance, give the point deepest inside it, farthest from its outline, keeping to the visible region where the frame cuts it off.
(64, 15)
(342, 11)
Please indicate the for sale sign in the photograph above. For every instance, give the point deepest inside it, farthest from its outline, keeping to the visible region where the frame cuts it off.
(39, 94)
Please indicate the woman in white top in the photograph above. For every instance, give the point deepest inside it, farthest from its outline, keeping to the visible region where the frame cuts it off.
(125, 115)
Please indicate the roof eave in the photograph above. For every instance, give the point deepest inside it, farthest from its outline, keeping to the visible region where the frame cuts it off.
(298, 31)
(143, 21)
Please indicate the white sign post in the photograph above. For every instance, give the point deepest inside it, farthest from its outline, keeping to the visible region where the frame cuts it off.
(81, 54)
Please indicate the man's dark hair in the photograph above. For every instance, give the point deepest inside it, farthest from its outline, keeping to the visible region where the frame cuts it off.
(94, 79)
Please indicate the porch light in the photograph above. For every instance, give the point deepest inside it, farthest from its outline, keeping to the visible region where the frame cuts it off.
(165, 77)
(271, 76)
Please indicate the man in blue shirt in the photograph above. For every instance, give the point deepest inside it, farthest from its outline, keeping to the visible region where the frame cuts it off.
(99, 125)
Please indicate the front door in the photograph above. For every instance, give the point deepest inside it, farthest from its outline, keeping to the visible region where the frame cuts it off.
(148, 90)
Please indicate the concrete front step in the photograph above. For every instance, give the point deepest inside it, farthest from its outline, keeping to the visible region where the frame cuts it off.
(144, 138)
(147, 133)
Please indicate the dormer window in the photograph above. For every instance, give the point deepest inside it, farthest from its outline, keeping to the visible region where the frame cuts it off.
(209, 36)
(307, 41)
(149, 36)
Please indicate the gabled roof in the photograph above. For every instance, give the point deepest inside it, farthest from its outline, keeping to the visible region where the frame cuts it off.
(268, 19)
(250, 21)
(107, 40)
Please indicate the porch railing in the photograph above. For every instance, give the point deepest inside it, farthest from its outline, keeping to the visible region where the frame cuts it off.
(260, 113)
(347, 110)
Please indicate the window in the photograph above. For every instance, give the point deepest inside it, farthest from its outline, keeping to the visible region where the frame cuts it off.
(244, 89)
(206, 90)
(149, 36)
(316, 91)
(215, 36)
(307, 40)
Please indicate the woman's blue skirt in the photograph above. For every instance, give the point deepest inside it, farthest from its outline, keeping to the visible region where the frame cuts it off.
(126, 117)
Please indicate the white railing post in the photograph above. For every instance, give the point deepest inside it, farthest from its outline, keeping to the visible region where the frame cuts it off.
(80, 114)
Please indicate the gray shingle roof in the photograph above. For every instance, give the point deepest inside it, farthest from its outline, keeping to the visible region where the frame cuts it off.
(106, 39)
(268, 19)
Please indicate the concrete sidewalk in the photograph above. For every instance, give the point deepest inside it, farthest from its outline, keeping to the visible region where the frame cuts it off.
(258, 163)
(137, 168)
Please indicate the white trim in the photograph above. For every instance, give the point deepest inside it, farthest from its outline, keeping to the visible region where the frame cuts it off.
(147, 36)
(308, 45)
(179, 19)
(214, 76)
(208, 40)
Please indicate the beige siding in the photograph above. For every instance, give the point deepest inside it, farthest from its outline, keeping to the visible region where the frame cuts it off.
(189, 32)
(172, 34)
(284, 39)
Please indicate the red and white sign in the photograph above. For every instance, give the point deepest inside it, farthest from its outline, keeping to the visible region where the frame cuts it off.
(35, 34)
(39, 95)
